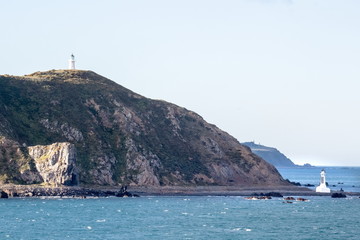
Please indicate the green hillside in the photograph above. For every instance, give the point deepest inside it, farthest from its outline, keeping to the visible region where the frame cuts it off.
(120, 137)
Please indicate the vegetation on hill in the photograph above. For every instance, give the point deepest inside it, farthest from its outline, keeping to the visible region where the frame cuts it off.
(120, 137)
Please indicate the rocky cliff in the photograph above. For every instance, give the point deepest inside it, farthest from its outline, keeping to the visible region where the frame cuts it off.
(16, 165)
(119, 137)
(55, 163)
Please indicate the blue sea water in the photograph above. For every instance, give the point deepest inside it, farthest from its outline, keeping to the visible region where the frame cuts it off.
(187, 217)
(347, 178)
(195, 217)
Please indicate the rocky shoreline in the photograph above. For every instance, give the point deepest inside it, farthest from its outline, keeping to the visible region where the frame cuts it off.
(136, 191)
(79, 192)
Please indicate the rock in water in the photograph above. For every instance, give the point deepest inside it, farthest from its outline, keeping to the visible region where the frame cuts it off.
(338, 195)
(120, 137)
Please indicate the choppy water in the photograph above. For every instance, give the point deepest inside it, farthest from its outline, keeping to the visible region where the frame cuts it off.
(179, 218)
(206, 217)
(347, 178)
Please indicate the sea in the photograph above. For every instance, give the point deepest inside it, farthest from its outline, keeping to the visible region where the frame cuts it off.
(345, 178)
(190, 217)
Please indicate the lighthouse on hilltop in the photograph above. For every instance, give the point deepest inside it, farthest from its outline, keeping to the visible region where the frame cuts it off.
(72, 62)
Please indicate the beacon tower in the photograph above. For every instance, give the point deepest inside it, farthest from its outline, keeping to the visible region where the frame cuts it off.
(322, 187)
(72, 62)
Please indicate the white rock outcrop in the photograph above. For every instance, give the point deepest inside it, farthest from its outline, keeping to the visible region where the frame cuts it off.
(56, 163)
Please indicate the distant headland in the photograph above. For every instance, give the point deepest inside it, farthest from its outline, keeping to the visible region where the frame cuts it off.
(272, 155)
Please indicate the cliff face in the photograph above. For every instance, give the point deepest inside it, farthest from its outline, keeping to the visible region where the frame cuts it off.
(16, 164)
(120, 137)
(271, 155)
(55, 163)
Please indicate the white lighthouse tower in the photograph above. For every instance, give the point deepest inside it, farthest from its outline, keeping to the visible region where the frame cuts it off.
(72, 62)
(322, 187)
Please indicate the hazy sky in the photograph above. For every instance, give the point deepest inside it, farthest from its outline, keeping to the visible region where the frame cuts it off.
(284, 73)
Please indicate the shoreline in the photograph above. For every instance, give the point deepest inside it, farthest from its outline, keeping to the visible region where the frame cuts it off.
(135, 191)
(229, 191)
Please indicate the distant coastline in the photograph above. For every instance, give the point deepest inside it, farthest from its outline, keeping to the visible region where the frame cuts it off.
(272, 155)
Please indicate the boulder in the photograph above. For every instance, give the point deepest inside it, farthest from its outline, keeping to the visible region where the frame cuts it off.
(302, 199)
(338, 195)
(289, 199)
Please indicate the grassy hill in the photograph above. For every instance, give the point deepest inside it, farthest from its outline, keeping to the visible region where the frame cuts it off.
(120, 137)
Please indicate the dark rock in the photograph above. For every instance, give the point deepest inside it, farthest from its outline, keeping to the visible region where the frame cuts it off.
(274, 194)
(338, 195)
(302, 199)
(109, 193)
(289, 198)
(269, 194)
(124, 193)
(309, 185)
(3, 194)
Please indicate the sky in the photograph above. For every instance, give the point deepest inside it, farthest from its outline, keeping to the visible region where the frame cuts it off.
(282, 73)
